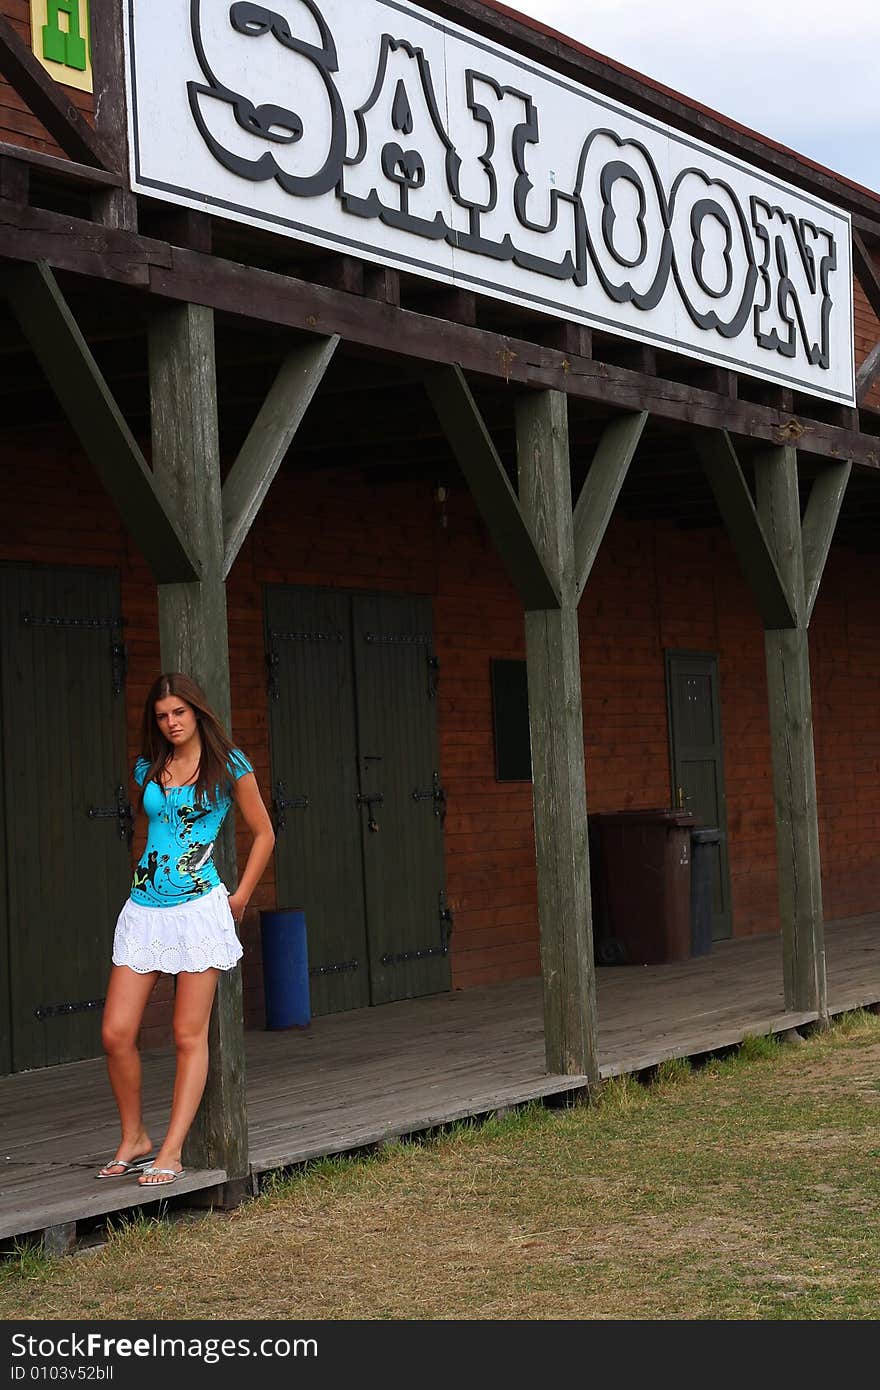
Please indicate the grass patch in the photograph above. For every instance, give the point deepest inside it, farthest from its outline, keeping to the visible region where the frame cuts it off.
(742, 1188)
(27, 1262)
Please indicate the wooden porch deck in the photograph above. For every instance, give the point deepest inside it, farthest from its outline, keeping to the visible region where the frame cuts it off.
(355, 1079)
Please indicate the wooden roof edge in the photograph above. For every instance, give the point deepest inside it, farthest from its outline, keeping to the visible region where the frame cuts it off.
(629, 86)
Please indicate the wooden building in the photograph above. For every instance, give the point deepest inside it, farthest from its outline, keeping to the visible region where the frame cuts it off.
(352, 482)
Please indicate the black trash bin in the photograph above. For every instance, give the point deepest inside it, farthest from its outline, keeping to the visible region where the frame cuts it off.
(704, 844)
(642, 886)
(607, 950)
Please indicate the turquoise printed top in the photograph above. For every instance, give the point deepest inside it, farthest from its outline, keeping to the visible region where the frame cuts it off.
(177, 865)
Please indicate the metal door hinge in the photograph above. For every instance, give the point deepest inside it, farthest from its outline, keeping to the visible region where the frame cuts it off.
(447, 919)
(339, 967)
(84, 1006)
(427, 952)
(119, 661)
(437, 794)
(273, 659)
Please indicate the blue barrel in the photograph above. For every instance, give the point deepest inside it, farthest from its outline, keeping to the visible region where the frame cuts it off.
(285, 969)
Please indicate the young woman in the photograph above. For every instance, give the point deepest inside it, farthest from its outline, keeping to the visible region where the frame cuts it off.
(180, 919)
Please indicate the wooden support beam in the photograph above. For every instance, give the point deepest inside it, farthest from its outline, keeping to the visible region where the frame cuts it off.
(15, 178)
(382, 283)
(270, 438)
(601, 490)
(491, 489)
(111, 255)
(193, 638)
(48, 101)
(64, 170)
(867, 272)
(776, 603)
(115, 207)
(85, 397)
(59, 1240)
(820, 520)
(557, 733)
(791, 734)
(868, 374)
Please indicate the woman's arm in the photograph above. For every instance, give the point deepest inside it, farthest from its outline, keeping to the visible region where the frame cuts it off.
(252, 807)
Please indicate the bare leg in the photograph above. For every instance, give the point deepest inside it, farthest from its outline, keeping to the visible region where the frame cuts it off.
(127, 995)
(192, 1014)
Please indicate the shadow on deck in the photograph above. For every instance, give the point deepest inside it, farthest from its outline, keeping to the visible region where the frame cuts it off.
(359, 1078)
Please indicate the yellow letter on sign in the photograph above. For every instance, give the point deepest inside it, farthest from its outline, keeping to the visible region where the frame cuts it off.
(60, 39)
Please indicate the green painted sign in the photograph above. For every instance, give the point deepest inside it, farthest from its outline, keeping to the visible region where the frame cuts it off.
(60, 39)
(66, 45)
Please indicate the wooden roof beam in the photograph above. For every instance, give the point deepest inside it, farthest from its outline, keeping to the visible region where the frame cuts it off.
(67, 171)
(866, 272)
(48, 101)
(779, 607)
(490, 486)
(269, 439)
(818, 527)
(81, 390)
(868, 374)
(601, 490)
(110, 254)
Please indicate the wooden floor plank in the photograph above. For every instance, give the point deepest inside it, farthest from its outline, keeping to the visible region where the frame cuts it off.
(359, 1078)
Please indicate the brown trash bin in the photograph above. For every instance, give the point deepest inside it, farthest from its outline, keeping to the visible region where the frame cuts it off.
(644, 879)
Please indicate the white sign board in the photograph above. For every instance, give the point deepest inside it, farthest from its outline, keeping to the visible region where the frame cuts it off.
(374, 128)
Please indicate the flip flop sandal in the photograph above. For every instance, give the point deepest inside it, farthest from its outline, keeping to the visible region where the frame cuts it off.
(128, 1165)
(168, 1176)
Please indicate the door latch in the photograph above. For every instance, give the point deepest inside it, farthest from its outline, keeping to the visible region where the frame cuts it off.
(374, 799)
(121, 812)
(282, 803)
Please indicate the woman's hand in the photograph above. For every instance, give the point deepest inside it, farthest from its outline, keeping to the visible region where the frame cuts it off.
(237, 905)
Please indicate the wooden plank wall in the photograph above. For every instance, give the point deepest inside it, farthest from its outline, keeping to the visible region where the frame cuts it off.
(18, 126)
(653, 587)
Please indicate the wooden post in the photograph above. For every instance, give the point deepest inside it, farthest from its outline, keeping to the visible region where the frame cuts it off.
(554, 679)
(791, 732)
(115, 207)
(194, 639)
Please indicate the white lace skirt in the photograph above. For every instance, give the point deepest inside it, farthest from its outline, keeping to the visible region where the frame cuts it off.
(191, 937)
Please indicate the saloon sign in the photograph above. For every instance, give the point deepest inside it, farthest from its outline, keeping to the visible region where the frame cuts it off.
(376, 129)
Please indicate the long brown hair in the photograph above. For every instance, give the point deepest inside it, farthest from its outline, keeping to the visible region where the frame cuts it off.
(217, 746)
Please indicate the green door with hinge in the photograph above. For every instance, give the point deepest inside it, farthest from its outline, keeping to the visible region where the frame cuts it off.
(697, 759)
(65, 811)
(402, 832)
(357, 799)
(318, 862)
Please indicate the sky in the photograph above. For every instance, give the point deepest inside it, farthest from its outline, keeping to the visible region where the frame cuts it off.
(804, 72)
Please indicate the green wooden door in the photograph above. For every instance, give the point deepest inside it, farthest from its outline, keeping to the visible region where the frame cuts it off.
(697, 759)
(402, 833)
(66, 813)
(356, 792)
(318, 862)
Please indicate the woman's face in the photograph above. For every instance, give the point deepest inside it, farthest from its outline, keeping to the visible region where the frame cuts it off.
(175, 719)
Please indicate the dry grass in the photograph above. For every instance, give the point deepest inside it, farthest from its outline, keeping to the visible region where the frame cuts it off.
(746, 1189)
